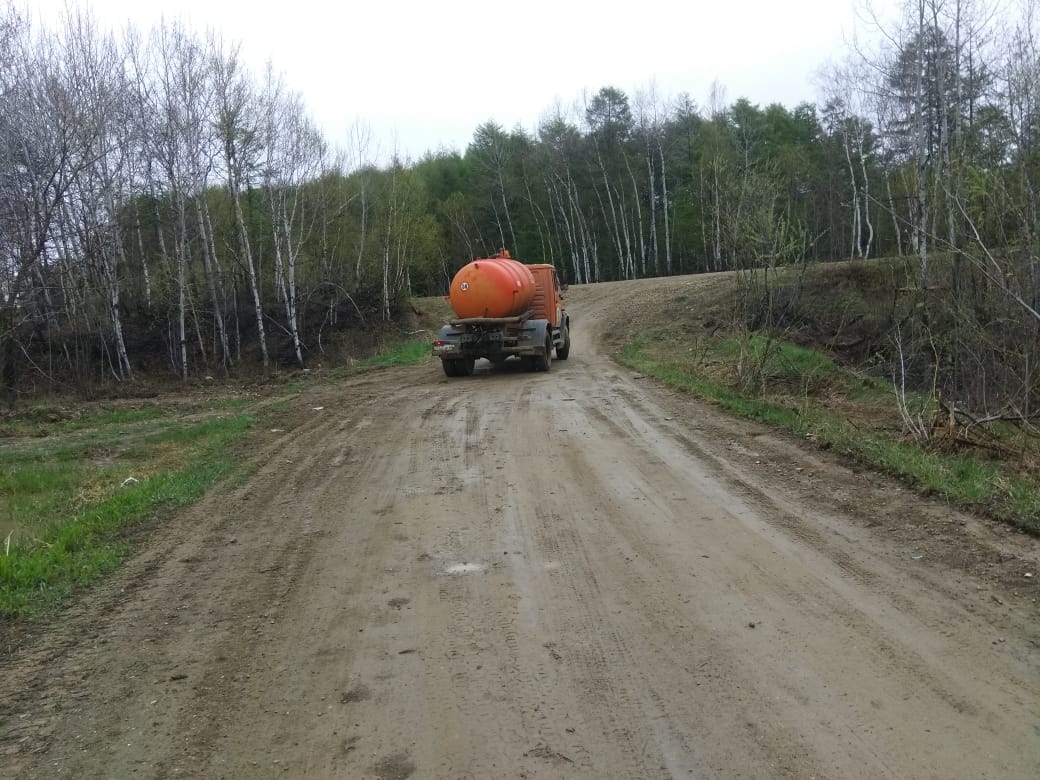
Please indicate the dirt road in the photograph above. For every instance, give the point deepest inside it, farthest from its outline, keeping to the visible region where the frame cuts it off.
(572, 574)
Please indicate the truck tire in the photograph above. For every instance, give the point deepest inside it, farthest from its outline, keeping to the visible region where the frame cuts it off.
(543, 361)
(458, 367)
(564, 349)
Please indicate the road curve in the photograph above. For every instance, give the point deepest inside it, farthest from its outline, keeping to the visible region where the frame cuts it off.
(571, 574)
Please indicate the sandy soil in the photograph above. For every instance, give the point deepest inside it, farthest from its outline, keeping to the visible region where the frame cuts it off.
(572, 574)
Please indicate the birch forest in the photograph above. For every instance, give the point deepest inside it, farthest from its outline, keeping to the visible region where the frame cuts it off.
(166, 210)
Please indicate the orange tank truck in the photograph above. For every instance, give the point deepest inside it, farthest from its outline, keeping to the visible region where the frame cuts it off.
(504, 309)
(492, 287)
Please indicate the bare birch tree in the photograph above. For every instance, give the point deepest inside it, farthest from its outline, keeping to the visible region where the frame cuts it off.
(239, 128)
(295, 152)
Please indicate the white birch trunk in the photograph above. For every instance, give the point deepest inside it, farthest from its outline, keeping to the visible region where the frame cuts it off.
(866, 189)
(638, 221)
(856, 248)
(217, 288)
(921, 227)
(182, 262)
(247, 254)
(666, 208)
(146, 276)
(895, 216)
(652, 183)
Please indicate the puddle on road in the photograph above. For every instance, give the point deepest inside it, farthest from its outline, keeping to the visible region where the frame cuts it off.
(464, 568)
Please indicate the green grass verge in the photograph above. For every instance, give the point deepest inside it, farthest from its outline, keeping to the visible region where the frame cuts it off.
(61, 539)
(778, 358)
(400, 354)
(974, 484)
(406, 354)
(52, 419)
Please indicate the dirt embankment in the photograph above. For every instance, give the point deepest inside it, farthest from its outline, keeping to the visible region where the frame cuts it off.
(572, 574)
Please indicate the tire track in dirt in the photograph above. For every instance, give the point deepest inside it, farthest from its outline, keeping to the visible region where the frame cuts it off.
(251, 543)
(663, 629)
(816, 530)
(828, 596)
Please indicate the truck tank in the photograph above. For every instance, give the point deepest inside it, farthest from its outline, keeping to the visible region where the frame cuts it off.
(492, 287)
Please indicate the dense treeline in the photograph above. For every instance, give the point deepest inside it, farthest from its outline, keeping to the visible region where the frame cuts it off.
(160, 205)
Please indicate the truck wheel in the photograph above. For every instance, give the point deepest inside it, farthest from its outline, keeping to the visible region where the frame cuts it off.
(564, 349)
(459, 367)
(544, 361)
(462, 367)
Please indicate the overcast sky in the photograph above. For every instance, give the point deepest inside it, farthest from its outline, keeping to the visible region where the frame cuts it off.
(423, 75)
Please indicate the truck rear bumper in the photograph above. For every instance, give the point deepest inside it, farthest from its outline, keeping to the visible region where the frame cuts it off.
(452, 351)
(491, 340)
(447, 349)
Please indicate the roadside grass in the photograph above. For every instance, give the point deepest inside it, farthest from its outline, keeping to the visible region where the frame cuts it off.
(778, 358)
(67, 505)
(404, 354)
(67, 508)
(989, 487)
(395, 351)
(57, 418)
(399, 354)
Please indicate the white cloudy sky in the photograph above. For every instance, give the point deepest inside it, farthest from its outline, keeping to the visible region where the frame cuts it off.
(423, 75)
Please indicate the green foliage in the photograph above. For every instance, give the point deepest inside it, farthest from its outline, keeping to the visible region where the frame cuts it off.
(405, 354)
(67, 506)
(638, 354)
(779, 359)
